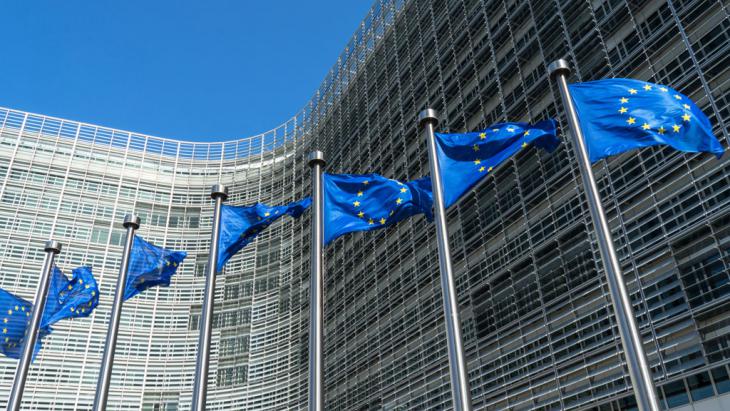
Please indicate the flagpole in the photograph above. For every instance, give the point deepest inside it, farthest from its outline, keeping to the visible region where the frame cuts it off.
(219, 193)
(636, 360)
(316, 288)
(131, 223)
(52, 248)
(460, 390)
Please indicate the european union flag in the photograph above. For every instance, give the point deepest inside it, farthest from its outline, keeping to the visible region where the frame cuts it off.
(370, 201)
(618, 115)
(15, 314)
(464, 158)
(76, 297)
(66, 299)
(150, 266)
(240, 225)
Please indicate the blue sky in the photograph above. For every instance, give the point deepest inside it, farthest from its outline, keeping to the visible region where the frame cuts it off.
(204, 71)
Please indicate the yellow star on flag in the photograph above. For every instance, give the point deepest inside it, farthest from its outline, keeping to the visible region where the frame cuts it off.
(686, 106)
(403, 189)
(266, 214)
(624, 100)
(622, 110)
(370, 221)
(490, 169)
(645, 126)
(632, 91)
(398, 201)
(481, 169)
(359, 193)
(510, 129)
(482, 136)
(661, 130)
(475, 147)
(631, 120)
(686, 117)
(664, 89)
(676, 128)
(477, 162)
(356, 204)
(382, 221)
(647, 87)
(366, 182)
(360, 214)
(527, 133)
(677, 96)
(524, 145)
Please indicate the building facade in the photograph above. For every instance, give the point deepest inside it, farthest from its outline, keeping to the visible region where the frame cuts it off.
(536, 317)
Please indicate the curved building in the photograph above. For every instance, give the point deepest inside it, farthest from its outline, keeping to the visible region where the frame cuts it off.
(537, 322)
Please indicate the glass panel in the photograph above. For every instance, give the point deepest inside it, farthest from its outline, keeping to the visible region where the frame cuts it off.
(722, 381)
(676, 394)
(700, 386)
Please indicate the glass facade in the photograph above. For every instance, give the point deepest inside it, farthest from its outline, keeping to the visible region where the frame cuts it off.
(539, 334)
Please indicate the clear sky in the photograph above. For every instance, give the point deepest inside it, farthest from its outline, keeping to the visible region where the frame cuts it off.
(191, 70)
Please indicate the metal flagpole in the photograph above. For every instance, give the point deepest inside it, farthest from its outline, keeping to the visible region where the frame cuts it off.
(131, 223)
(219, 193)
(639, 370)
(52, 248)
(457, 363)
(316, 288)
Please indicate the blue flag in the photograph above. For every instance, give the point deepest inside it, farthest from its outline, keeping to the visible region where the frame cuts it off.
(240, 225)
(15, 314)
(464, 158)
(618, 115)
(76, 297)
(66, 299)
(150, 266)
(370, 201)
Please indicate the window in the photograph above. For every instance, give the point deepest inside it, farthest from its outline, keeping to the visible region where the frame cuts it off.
(722, 381)
(700, 386)
(676, 394)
